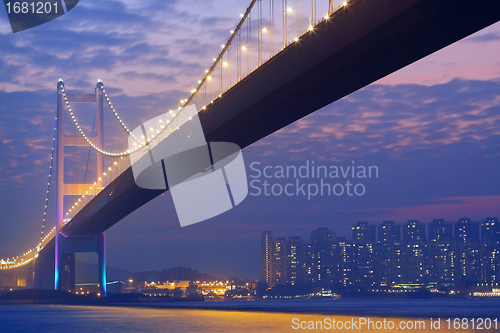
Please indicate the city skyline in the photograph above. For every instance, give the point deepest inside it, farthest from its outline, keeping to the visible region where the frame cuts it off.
(404, 257)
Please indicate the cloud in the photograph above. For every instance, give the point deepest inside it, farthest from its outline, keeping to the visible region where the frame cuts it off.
(106, 40)
(402, 118)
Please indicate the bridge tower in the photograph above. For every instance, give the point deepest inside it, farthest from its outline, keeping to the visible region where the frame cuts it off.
(66, 247)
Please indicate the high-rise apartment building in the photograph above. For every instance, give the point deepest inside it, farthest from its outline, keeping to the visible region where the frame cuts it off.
(266, 253)
(279, 261)
(389, 232)
(413, 231)
(466, 230)
(294, 266)
(364, 233)
(440, 230)
(320, 260)
(490, 230)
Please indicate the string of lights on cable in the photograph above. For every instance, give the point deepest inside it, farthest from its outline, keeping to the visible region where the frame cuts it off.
(49, 180)
(122, 124)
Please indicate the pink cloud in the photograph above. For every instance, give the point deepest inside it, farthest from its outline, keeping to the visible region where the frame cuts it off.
(473, 58)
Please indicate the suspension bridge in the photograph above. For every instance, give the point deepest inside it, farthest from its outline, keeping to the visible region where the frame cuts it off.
(282, 61)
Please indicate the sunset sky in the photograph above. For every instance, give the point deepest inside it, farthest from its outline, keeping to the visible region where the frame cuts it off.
(432, 129)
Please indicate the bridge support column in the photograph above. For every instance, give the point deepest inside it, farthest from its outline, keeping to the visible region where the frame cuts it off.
(64, 268)
(72, 245)
(101, 255)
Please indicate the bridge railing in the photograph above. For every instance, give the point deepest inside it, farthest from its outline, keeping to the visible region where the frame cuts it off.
(265, 29)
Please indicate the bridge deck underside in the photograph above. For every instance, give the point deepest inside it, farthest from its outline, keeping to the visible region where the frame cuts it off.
(361, 44)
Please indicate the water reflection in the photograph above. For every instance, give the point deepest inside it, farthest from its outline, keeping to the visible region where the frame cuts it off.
(41, 318)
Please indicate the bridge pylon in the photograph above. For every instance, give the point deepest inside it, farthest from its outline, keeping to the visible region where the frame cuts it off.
(66, 247)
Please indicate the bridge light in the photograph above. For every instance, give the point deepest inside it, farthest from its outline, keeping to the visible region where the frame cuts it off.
(224, 64)
(232, 31)
(243, 48)
(296, 39)
(310, 28)
(327, 17)
(241, 15)
(264, 30)
(223, 46)
(344, 3)
(209, 78)
(289, 9)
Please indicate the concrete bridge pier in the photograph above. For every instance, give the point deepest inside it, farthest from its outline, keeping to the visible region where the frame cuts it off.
(68, 248)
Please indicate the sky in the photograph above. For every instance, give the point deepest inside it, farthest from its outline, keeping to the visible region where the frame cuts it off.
(432, 129)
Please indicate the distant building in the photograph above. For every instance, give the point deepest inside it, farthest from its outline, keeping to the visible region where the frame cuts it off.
(320, 260)
(440, 230)
(266, 252)
(322, 237)
(413, 268)
(389, 232)
(490, 230)
(345, 252)
(466, 230)
(469, 262)
(413, 231)
(279, 261)
(388, 264)
(363, 269)
(364, 233)
(294, 268)
(442, 261)
(489, 254)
